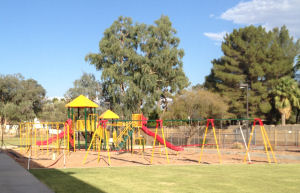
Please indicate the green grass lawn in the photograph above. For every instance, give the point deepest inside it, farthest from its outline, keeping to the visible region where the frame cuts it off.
(12, 141)
(202, 178)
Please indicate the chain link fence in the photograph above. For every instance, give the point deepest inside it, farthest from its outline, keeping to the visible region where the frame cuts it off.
(230, 136)
(191, 134)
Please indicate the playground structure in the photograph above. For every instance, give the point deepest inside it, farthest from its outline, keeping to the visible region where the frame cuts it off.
(106, 133)
(97, 133)
(45, 138)
(266, 141)
(117, 137)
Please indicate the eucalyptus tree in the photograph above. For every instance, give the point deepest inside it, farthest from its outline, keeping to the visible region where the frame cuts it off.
(54, 110)
(141, 65)
(86, 85)
(21, 100)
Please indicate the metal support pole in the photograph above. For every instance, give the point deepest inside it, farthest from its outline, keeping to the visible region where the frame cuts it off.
(246, 85)
(73, 128)
(131, 142)
(78, 132)
(249, 159)
(85, 129)
(247, 134)
(72, 110)
(28, 162)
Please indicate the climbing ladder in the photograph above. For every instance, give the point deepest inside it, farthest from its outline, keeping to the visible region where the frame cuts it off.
(123, 136)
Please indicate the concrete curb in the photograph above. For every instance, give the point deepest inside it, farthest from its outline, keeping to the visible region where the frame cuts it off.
(15, 179)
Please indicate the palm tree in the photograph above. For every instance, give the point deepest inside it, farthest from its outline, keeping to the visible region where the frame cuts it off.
(287, 96)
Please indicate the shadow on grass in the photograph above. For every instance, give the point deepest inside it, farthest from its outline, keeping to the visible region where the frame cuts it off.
(59, 181)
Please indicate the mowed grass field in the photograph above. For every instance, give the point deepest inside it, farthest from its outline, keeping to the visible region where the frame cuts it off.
(281, 178)
(8, 141)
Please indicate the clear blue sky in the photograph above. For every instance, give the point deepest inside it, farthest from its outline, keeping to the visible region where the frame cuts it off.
(47, 40)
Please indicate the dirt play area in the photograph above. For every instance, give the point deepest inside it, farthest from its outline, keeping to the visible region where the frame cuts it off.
(138, 158)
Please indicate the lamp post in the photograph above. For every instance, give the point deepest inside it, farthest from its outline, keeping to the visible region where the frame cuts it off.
(246, 85)
(107, 103)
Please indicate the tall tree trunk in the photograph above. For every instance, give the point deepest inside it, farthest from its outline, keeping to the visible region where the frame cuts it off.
(283, 119)
(188, 140)
(158, 106)
(1, 124)
(298, 116)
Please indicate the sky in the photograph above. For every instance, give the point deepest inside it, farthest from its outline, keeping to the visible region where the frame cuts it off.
(48, 40)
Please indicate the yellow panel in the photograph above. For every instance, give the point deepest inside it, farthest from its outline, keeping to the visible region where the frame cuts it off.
(136, 117)
(118, 124)
(90, 126)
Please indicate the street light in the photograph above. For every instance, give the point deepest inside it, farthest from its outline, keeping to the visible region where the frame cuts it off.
(107, 104)
(246, 85)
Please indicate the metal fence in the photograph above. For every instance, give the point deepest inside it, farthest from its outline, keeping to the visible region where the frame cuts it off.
(191, 136)
(281, 137)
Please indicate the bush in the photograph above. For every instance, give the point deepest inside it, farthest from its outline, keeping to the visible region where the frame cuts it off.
(237, 145)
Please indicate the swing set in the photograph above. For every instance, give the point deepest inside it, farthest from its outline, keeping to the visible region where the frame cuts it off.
(106, 133)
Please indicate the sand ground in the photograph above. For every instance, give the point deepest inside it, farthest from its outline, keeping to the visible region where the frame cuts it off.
(189, 156)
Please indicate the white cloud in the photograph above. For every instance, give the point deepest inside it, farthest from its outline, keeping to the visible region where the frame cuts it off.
(269, 13)
(216, 36)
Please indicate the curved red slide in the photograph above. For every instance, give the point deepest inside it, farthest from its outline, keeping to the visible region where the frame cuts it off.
(161, 141)
(60, 135)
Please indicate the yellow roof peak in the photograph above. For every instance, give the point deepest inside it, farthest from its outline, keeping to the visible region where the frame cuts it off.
(81, 102)
(109, 115)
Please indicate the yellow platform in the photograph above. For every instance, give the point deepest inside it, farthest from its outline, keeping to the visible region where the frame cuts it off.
(91, 126)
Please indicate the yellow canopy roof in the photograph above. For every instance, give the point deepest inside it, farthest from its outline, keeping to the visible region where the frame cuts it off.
(109, 115)
(81, 102)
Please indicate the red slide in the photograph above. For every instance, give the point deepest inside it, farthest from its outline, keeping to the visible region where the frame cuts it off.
(161, 141)
(60, 135)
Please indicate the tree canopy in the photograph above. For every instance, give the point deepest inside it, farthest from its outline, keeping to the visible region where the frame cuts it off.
(141, 65)
(21, 100)
(86, 85)
(54, 110)
(197, 103)
(297, 70)
(256, 57)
